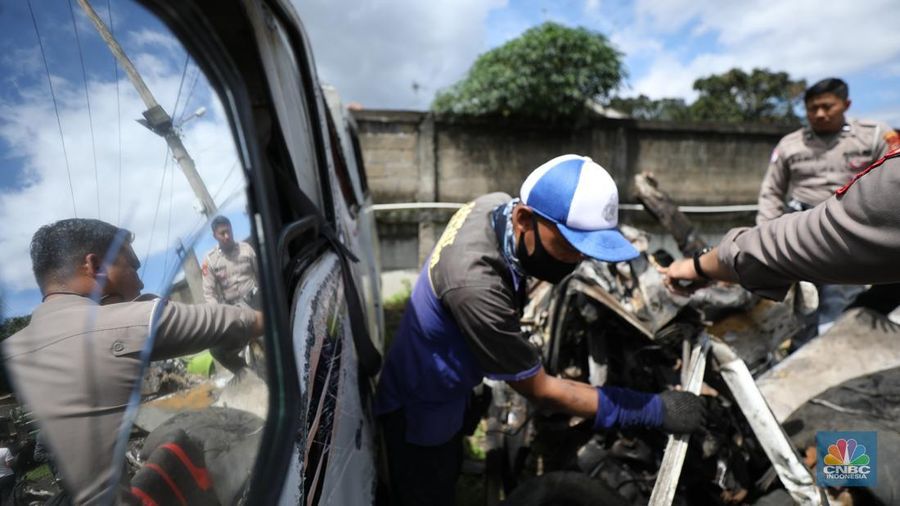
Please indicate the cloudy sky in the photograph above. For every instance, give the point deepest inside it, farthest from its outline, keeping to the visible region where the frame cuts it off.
(96, 161)
(373, 51)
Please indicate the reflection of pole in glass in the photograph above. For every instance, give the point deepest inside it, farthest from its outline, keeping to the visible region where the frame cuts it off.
(156, 119)
(194, 115)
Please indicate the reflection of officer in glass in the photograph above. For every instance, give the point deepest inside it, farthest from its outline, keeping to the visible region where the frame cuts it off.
(229, 269)
(76, 363)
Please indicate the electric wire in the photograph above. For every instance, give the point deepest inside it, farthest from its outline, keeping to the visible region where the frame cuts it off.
(118, 117)
(162, 184)
(187, 59)
(169, 224)
(172, 178)
(190, 94)
(87, 98)
(55, 108)
(224, 181)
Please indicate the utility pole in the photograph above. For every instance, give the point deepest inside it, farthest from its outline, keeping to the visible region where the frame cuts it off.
(158, 121)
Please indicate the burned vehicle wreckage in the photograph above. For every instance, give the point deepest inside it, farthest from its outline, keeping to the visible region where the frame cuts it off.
(618, 324)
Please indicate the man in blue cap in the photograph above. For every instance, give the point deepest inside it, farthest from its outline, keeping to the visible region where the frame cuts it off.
(462, 325)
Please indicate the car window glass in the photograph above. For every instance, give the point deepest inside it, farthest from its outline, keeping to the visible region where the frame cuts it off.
(132, 184)
(341, 172)
(285, 82)
(341, 131)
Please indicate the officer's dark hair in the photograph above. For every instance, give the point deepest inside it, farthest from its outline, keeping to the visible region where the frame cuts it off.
(218, 221)
(59, 248)
(829, 85)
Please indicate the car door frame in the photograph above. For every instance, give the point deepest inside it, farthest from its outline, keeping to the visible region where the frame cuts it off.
(219, 36)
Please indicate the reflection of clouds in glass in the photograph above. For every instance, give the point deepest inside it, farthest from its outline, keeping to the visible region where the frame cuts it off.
(147, 38)
(19, 63)
(40, 190)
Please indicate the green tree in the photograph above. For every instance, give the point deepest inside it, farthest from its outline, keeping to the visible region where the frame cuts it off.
(762, 96)
(13, 324)
(643, 107)
(548, 72)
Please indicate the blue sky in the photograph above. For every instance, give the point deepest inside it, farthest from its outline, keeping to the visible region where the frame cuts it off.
(155, 200)
(373, 51)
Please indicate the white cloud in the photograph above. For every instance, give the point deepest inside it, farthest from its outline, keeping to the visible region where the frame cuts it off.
(372, 52)
(146, 39)
(42, 192)
(806, 38)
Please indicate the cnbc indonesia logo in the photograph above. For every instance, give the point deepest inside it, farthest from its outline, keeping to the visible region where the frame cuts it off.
(846, 460)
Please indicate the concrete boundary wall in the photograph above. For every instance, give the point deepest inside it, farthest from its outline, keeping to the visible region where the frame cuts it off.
(413, 156)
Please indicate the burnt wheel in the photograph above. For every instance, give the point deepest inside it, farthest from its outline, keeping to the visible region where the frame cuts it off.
(564, 488)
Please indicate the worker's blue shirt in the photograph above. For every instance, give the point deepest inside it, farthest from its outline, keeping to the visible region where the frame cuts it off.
(460, 325)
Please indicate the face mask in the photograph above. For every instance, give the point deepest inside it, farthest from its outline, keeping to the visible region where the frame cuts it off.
(541, 264)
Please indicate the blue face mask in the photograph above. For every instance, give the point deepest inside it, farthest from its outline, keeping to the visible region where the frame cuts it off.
(541, 264)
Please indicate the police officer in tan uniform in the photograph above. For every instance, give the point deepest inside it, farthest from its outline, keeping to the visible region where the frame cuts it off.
(809, 164)
(78, 361)
(229, 270)
(853, 237)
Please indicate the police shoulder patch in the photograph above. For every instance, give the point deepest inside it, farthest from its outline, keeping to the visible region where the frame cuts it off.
(892, 139)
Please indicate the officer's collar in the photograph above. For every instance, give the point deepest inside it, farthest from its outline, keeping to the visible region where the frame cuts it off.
(236, 247)
(845, 130)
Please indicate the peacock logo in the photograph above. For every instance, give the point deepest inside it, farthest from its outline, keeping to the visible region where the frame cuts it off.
(846, 452)
(847, 459)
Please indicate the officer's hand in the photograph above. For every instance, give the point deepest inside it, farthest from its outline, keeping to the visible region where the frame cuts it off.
(229, 357)
(684, 412)
(259, 326)
(681, 278)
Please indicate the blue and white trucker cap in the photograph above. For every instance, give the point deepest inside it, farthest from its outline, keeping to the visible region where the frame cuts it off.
(581, 198)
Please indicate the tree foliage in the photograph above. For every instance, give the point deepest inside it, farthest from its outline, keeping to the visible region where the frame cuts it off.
(548, 72)
(761, 96)
(644, 107)
(13, 324)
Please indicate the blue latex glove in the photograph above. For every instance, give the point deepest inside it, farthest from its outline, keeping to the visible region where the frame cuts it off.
(621, 407)
(672, 411)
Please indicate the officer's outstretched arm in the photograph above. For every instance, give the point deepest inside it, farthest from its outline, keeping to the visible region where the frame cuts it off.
(672, 411)
(186, 328)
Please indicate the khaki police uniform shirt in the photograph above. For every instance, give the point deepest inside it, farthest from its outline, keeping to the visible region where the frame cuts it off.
(852, 238)
(229, 278)
(808, 167)
(76, 364)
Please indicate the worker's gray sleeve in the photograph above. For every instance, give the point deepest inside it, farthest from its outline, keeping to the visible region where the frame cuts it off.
(187, 328)
(774, 188)
(852, 239)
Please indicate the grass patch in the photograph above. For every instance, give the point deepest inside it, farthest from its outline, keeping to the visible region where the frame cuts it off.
(37, 473)
(394, 306)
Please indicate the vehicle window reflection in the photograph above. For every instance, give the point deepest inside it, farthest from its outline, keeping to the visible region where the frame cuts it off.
(129, 286)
